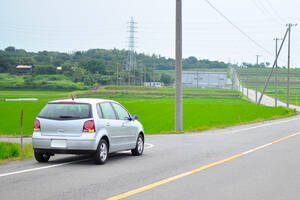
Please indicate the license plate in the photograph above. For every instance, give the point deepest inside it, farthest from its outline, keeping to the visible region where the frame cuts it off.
(59, 143)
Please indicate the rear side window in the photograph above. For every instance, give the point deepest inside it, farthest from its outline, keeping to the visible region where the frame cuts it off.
(66, 111)
(99, 111)
(122, 113)
(107, 110)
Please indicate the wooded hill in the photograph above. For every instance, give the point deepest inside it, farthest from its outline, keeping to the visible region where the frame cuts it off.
(91, 67)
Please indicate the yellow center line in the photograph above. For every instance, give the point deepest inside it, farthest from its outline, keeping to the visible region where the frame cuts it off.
(167, 180)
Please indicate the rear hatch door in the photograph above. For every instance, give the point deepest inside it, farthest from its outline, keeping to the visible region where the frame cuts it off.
(64, 119)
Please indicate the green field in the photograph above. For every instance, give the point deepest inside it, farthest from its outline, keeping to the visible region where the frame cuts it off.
(248, 77)
(202, 108)
(9, 151)
(46, 82)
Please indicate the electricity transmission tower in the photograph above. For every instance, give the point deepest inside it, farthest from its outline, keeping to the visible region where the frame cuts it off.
(131, 63)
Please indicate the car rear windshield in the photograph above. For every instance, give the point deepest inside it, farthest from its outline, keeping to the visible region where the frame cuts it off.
(66, 111)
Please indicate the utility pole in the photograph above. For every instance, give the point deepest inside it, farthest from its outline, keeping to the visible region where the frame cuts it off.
(257, 56)
(178, 68)
(117, 74)
(153, 73)
(276, 71)
(141, 75)
(243, 88)
(246, 83)
(268, 79)
(145, 74)
(22, 134)
(289, 61)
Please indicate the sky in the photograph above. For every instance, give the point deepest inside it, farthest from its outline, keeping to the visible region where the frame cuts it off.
(73, 25)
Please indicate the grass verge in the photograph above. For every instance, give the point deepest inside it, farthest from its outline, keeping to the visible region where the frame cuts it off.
(12, 151)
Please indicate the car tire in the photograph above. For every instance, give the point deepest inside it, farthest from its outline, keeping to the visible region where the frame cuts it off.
(139, 148)
(102, 152)
(41, 157)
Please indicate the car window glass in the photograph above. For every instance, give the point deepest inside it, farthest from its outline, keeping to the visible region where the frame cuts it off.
(99, 111)
(108, 112)
(122, 113)
(66, 111)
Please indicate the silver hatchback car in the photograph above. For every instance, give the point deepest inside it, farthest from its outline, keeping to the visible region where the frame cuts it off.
(86, 126)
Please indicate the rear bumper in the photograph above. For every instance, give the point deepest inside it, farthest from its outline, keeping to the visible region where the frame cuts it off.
(71, 144)
(64, 151)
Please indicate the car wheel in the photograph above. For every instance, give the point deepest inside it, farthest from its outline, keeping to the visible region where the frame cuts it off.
(102, 152)
(139, 148)
(42, 157)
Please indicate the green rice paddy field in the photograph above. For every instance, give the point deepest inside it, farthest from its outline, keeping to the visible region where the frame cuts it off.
(203, 108)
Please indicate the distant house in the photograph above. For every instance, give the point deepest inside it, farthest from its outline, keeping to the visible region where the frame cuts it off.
(59, 68)
(153, 84)
(23, 69)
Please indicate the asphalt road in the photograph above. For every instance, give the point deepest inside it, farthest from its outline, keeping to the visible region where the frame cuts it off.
(266, 100)
(258, 161)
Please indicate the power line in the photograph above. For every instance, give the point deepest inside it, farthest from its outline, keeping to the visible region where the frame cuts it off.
(238, 28)
(266, 10)
(275, 11)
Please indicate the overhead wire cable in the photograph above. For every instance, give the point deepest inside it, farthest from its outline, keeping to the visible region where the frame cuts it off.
(259, 4)
(238, 28)
(275, 11)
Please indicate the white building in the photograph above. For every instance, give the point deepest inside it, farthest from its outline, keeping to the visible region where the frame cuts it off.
(152, 84)
(24, 69)
(205, 79)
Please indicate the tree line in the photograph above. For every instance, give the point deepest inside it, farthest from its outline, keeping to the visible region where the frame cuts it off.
(96, 66)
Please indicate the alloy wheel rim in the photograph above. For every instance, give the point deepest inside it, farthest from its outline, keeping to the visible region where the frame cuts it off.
(140, 145)
(103, 152)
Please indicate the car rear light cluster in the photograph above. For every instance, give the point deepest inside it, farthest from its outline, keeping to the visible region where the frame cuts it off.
(37, 125)
(89, 126)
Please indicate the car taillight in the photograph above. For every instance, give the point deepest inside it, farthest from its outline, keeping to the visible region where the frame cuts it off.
(37, 125)
(89, 126)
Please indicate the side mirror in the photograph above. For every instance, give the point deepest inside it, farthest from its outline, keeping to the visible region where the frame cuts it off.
(135, 117)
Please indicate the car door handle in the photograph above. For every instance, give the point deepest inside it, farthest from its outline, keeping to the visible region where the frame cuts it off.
(107, 124)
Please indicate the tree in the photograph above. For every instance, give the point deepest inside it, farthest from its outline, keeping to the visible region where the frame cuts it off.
(10, 49)
(78, 74)
(94, 66)
(166, 79)
(44, 69)
(67, 69)
(7, 64)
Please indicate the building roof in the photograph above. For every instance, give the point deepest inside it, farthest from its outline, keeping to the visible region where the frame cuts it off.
(24, 67)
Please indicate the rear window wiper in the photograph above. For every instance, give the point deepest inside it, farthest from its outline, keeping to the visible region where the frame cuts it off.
(66, 116)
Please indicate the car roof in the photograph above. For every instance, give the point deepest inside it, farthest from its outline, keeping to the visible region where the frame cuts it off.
(83, 100)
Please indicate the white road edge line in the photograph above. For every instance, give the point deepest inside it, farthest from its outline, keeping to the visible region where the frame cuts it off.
(149, 146)
(56, 165)
(266, 145)
(263, 125)
(40, 168)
